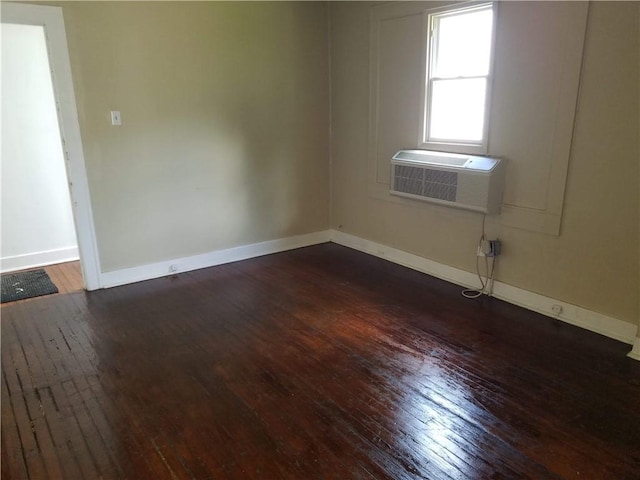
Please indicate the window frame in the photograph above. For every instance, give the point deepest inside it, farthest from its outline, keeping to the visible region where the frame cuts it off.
(429, 43)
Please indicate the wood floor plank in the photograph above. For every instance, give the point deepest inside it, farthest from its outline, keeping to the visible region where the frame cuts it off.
(316, 363)
(66, 276)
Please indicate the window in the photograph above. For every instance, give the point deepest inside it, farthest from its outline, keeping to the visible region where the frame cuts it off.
(458, 79)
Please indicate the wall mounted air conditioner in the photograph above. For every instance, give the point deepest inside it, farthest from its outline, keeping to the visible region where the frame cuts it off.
(462, 181)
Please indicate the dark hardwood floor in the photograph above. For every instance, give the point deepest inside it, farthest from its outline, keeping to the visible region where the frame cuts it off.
(319, 363)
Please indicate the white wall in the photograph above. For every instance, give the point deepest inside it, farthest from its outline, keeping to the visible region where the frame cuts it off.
(37, 222)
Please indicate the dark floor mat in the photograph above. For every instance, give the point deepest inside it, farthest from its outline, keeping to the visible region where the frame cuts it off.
(21, 285)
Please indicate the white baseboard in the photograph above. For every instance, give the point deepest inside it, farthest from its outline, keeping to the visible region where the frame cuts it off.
(635, 353)
(38, 259)
(581, 317)
(573, 314)
(219, 257)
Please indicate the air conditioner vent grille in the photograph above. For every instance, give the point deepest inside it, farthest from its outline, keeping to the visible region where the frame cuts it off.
(440, 191)
(426, 183)
(438, 176)
(411, 173)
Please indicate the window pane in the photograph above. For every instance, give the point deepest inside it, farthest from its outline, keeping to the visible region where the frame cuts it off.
(463, 44)
(457, 109)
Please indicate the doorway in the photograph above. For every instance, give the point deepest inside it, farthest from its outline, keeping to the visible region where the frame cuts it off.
(46, 224)
(37, 221)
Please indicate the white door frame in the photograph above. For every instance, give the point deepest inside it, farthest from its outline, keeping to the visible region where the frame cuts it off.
(51, 19)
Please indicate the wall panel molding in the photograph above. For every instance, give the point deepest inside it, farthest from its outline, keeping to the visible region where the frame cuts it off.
(539, 47)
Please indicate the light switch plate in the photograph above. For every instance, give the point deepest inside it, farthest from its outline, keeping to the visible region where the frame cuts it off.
(116, 119)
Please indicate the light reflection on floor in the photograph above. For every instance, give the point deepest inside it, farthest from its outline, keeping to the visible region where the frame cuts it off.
(432, 416)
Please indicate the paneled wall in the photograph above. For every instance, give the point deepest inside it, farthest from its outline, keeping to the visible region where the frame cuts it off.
(570, 229)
